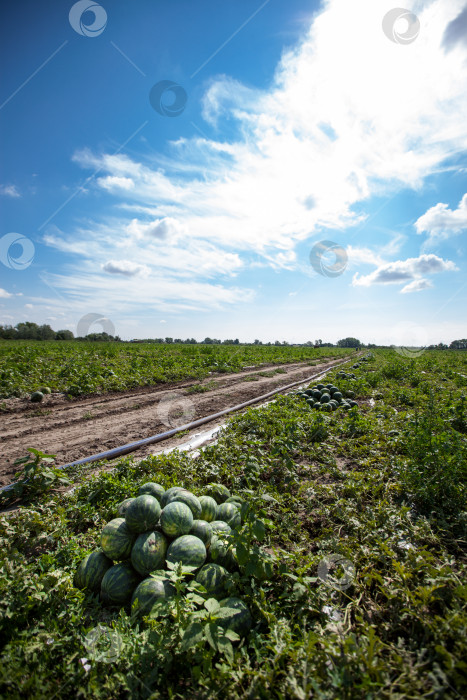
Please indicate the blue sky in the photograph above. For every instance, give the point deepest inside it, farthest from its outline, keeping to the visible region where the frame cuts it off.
(293, 123)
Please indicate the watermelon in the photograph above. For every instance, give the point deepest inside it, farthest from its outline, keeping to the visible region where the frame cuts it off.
(143, 513)
(121, 508)
(148, 553)
(176, 519)
(91, 571)
(220, 526)
(235, 499)
(203, 530)
(326, 407)
(45, 390)
(239, 620)
(189, 550)
(337, 396)
(190, 500)
(118, 584)
(153, 489)
(320, 386)
(168, 494)
(208, 508)
(223, 553)
(37, 396)
(230, 514)
(316, 394)
(214, 578)
(325, 398)
(219, 492)
(148, 592)
(117, 539)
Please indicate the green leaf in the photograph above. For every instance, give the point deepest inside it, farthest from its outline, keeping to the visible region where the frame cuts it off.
(233, 636)
(225, 647)
(242, 554)
(259, 530)
(193, 635)
(212, 634)
(212, 605)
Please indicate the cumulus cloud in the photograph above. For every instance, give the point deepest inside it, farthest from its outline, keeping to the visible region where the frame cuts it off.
(417, 286)
(166, 228)
(441, 223)
(9, 191)
(4, 294)
(125, 268)
(401, 271)
(113, 182)
(456, 31)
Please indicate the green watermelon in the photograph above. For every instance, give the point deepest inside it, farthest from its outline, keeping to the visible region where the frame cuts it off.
(219, 492)
(325, 398)
(214, 578)
(118, 584)
(189, 550)
(316, 394)
(208, 508)
(91, 571)
(320, 386)
(153, 489)
(37, 396)
(117, 539)
(121, 508)
(239, 620)
(337, 396)
(223, 553)
(143, 513)
(148, 553)
(169, 493)
(45, 390)
(220, 526)
(176, 519)
(188, 499)
(235, 499)
(203, 530)
(148, 592)
(230, 514)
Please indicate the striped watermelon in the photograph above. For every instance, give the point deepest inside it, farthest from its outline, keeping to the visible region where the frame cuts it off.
(221, 527)
(230, 514)
(239, 620)
(213, 578)
(153, 489)
(91, 571)
(208, 508)
(148, 553)
(219, 492)
(176, 519)
(203, 530)
(121, 508)
(223, 553)
(117, 539)
(118, 584)
(148, 592)
(236, 500)
(189, 550)
(188, 499)
(143, 513)
(169, 493)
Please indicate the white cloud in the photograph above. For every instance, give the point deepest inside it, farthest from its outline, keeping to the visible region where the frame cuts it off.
(166, 228)
(126, 268)
(417, 286)
(4, 294)
(112, 182)
(9, 191)
(440, 222)
(404, 271)
(28, 306)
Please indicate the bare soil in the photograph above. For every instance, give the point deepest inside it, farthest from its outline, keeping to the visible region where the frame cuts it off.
(72, 429)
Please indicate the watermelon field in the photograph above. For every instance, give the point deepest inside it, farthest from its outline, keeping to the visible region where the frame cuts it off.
(316, 549)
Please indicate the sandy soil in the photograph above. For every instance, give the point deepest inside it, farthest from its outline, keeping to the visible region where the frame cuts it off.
(77, 428)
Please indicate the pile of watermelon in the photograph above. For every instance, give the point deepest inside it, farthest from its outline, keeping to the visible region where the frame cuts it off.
(156, 531)
(328, 398)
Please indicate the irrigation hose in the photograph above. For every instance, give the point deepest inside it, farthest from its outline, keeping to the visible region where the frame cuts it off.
(133, 446)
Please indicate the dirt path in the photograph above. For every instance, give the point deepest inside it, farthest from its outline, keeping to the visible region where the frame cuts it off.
(73, 429)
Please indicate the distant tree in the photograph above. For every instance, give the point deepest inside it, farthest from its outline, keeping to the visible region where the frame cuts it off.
(349, 343)
(64, 335)
(45, 332)
(8, 332)
(169, 340)
(458, 344)
(27, 331)
(258, 342)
